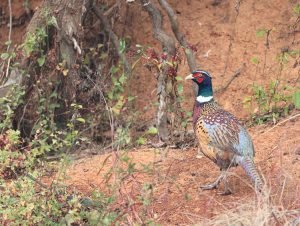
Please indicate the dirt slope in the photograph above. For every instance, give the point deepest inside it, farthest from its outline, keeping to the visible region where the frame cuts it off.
(229, 39)
(176, 177)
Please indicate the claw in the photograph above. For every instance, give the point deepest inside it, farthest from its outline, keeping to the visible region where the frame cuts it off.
(210, 186)
(216, 184)
(225, 192)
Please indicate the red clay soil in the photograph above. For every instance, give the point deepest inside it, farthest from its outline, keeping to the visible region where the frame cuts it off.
(177, 176)
(212, 25)
(18, 11)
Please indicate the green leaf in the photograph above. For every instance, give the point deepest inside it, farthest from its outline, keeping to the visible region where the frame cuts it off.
(80, 120)
(296, 98)
(93, 217)
(189, 113)
(255, 60)
(141, 140)
(41, 60)
(187, 51)
(180, 88)
(184, 123)
(122, 79)
(261, 32)
(114, 81)
(103, 56)
(247, 99)
(7, 43)
(52, 22)
(118, 106)
(178, 78)
(122, 46)
(296, 8)
(152, 130)
(110, 95)
(4, 56)
(131, 98)
(70, 218)
(114, 69)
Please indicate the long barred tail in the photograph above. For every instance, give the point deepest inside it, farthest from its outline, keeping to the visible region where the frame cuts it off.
(249, 167)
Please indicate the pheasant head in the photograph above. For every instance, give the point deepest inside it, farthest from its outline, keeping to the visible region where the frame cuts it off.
(204, 85)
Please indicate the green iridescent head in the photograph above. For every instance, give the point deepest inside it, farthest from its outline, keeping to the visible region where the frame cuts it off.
(203, 80)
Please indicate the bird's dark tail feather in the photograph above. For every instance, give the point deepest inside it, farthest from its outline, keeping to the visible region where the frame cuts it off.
(249, 167)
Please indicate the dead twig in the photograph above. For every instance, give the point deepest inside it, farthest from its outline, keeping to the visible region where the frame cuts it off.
(103, 164)
(37, 181)
(111, 9)
(234, 76)
(282, 122)
(231, 37)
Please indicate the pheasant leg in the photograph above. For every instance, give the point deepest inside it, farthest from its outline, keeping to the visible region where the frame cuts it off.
(215, 184)
(227, 190)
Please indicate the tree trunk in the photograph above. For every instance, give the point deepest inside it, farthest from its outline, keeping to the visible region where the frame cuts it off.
(69, 19)
(65, 46)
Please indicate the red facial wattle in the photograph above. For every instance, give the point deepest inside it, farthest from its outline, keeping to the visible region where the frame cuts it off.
(200, 79)
(198, 76)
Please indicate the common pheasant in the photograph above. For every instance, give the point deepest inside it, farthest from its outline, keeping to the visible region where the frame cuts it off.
(221, 136)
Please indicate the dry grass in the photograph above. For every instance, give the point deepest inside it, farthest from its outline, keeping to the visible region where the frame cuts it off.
(260, 212)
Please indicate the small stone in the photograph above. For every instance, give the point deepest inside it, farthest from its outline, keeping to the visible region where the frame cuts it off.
(199, 156)
(297, 152)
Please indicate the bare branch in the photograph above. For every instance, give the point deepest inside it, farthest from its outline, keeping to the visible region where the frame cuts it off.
(168, 45)
(114, 38)
(159, 33)
(190, 55)
(5, 77)
(234, 76)
(111, 9)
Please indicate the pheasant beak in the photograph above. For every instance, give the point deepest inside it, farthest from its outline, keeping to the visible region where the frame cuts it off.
(189, 77)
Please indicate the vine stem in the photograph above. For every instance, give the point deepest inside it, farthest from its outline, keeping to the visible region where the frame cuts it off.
(9, 39)
(10, 24)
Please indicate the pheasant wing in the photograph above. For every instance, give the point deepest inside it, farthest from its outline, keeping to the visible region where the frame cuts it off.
(226, 133)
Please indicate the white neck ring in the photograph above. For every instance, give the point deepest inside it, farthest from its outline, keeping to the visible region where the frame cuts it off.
(202, 99)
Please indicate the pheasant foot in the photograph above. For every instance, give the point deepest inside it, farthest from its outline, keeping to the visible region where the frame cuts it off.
(215, 184)
(227, 190)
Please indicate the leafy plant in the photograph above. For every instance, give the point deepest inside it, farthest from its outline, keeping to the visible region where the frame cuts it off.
(269, 103)
(261, 32)
(296, 8)
(37, 42)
